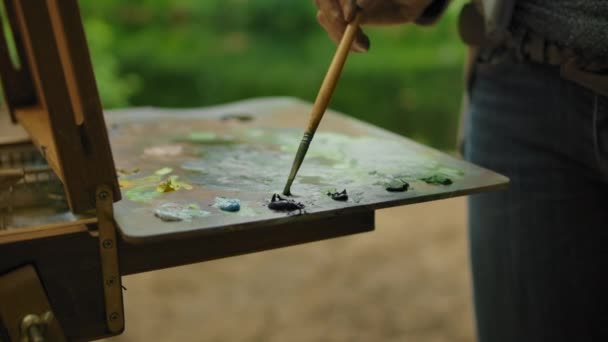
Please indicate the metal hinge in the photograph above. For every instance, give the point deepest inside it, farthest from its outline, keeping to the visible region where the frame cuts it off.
(108, 252)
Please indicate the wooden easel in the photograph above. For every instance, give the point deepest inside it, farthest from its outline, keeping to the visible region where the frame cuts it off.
(68, 273)
(53, 95)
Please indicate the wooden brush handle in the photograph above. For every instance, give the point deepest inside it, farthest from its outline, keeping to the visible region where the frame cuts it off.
(333, 74)
(323, 98)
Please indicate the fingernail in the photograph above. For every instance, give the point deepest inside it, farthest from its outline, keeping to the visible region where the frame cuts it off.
(359, 47)
(361, 44)
(365, 42)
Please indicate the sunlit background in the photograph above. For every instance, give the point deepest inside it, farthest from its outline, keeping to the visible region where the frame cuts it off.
(408, 281)
(184, 53)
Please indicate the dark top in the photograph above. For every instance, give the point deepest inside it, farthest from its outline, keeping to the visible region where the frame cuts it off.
(577, 24)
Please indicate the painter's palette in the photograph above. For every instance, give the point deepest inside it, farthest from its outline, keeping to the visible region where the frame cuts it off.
(184, 159)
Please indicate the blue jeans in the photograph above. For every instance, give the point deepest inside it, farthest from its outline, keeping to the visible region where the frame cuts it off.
(539, 250)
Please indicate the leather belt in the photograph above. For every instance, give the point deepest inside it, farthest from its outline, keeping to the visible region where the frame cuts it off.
(591, 73)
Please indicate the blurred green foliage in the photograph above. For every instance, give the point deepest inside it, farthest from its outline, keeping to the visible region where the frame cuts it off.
(184, 53)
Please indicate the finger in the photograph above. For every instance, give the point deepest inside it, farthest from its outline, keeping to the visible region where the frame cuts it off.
(330, 8)
(335, 31)
(365, 4)
(330, 16)
(377, 12)
(349, 8)
(335, 28)
(389, 13)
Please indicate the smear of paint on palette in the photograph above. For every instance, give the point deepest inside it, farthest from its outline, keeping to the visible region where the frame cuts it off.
(164, 151)
(145, 189)
(126, 172)
(172, 183)
(237, 116)
(258, 157)
(247, 212)
(227, 204)
(174, 212)
(207, 138)
(164, 171)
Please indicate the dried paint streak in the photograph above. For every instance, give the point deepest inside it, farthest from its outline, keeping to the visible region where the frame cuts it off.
(173, 212)
(227, 204)
(125, 172)
(164, 151)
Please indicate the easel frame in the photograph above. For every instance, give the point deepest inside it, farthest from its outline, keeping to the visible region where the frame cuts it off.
(54, 96)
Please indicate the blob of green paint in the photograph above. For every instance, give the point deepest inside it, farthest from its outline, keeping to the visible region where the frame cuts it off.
(164, 171)
(202, 136)
(206, 138)
(141, 194)
(437, 179)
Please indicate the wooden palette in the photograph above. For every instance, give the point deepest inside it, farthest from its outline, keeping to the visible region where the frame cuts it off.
(244, 150)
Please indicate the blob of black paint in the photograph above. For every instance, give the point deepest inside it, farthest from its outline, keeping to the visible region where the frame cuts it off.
(397, 185)
(338, 196)
(279, 203)
(437, 179)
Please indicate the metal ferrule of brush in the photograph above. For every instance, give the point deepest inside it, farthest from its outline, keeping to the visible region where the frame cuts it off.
(302, 149)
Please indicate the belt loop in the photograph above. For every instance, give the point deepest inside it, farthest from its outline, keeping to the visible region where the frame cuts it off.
(516, 41)
(537, 49)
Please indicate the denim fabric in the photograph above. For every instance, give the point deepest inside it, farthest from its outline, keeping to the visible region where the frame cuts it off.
(539, 250)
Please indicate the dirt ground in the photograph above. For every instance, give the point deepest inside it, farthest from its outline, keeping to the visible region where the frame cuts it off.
(407, 281)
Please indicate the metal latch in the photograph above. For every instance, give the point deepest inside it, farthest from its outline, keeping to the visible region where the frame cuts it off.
(25, 311)
(34, 327)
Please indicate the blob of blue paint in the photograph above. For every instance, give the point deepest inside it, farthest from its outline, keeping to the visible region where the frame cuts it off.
(227, 204)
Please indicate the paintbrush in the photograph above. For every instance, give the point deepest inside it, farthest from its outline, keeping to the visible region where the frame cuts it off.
(323, 97)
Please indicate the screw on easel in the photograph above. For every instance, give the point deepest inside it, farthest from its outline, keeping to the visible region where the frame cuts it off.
(103, 195)
(114, 316)
(107, 243)
(110, 281)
